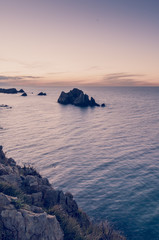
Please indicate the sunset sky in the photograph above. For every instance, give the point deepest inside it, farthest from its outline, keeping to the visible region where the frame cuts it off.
(83, 42)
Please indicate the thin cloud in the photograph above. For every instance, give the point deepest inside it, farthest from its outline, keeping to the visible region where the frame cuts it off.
(7, 78)
(3, 77)
(57, 73)
(18, 80)
(22, 63)
(123, 79)
(29, 77)
(93, 68)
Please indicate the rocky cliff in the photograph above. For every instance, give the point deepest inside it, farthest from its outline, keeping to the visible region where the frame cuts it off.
(31, 209)
(20, 197)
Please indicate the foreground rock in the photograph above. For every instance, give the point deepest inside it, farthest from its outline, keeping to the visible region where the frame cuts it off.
(11, 90)
(31, 209)
(78, 98)
(27, 222)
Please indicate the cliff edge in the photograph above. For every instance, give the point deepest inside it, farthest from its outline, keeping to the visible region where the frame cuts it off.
(31, 209)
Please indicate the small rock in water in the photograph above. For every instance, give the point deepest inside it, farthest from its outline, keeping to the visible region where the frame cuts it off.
(103, 105)
(24, 94)
(41, 94)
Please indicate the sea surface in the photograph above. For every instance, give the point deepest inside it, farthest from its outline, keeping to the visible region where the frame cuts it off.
(108, 158)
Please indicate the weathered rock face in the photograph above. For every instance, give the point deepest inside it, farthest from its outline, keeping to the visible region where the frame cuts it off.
(36, 189)
(10, 90)
(27, 224)
(76, 97)
(64, 98)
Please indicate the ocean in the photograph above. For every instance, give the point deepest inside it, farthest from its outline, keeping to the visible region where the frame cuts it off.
(108, 158)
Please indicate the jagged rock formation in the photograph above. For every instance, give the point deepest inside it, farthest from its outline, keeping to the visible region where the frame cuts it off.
(11, 90)
(31, 209)
(78, 98)
(37, 190)
(41, 94)
(21, 219)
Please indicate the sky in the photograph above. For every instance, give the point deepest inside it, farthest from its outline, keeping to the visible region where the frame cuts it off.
(79, 42)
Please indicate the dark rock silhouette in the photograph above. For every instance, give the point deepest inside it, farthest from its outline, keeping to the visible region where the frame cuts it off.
(4, 106)
(24, 94)
(41, 94)
(78, 98)
(10, 90)
(21, 91)
(103, 105)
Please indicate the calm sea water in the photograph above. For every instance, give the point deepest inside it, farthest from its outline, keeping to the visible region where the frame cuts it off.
(107, 157)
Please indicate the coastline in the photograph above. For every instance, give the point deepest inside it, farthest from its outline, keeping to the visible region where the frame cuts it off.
(25, 196)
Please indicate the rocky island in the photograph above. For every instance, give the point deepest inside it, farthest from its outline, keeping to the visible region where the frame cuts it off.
(11, 90)
(31, 209)
(78, 98)
(42, 94)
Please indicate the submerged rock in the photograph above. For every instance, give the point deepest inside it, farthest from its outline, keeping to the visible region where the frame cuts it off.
(78, 98)
(41, 94)
(4, 106)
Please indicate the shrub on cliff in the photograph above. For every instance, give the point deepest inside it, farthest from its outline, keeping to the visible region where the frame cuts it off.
(79, 229)
(69, 224)
(8, 189)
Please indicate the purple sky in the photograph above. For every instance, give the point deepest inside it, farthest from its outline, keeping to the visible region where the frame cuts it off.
(68, 42)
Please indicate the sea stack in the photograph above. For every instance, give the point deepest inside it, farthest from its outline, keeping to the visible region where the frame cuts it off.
(77, 97)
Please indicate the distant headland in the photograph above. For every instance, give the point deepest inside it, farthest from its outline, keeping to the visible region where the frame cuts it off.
(11, 90)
